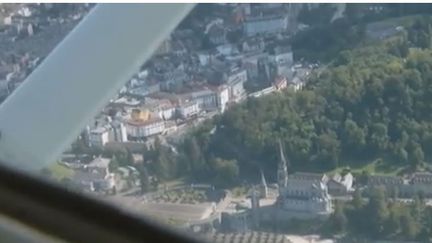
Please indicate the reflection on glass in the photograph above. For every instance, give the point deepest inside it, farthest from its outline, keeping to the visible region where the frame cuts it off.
(258, 122)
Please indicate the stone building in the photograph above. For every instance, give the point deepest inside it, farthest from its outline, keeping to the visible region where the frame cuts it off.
(404, 187)
(302, 192)
(340, 185)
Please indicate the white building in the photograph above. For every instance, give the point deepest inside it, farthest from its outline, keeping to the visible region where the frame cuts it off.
(142, 129)
(422, 183)
(99, 136)
(236, 85)
(118, 132)
(296, 84)
(142, 124)
(302, 192)
(227, 49)
(283, 61)
(283, 56)
(211, 98)
(167, 111)
(188, 109)
(205, 98)
(265, 24)
(340, 185)
(204, 58)
(222, 95)
(111, 131)
(251, 63)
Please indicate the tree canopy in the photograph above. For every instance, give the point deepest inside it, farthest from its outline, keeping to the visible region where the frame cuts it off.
(374, 103)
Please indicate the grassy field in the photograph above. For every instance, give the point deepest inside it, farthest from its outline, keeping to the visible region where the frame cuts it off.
(60, 171)
(377, 167)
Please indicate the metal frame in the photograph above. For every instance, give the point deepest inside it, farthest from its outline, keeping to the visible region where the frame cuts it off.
(47, 211)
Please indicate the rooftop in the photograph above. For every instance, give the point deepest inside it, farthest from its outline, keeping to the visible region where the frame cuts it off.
(308, 176)
(263, 17)
(99, 162)
(381, 179)
(258, 237)
(139, 122)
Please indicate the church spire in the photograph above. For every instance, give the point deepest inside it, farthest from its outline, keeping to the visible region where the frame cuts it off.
(263, 186)
(282, 174)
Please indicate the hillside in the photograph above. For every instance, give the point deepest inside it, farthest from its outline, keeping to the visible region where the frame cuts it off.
(373, 103)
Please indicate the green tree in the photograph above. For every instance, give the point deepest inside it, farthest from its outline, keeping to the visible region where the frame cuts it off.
(226, 171)
(353, 136)
(426, 220)
(357, 200)
(404, 48)
(338, 220)
(195, 156)
(417, 158)
(401, 154)
(378, 140)
(377, 212)
(408, 225)
(392, 225)
(328, 149)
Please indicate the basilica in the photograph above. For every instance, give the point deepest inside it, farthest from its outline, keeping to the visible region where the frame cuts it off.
(298, 195)
(302, 192)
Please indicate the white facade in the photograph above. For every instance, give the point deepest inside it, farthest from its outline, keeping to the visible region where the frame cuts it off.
(285, 58)
(99, 136)
(206, 99)
(167, 112)
(306, 195)
(227, 49)
(236, 86)
(263, 25)
(302, 192)
(296, 84)
(139, 129)
(204, 59)
(188, 109)
(110, 131)
(222, 97)
(119, 133)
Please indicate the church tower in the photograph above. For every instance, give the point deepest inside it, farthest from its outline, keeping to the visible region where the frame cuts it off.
(282, 173)
(263, 186)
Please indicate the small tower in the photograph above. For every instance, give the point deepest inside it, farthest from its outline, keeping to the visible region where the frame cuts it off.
(263, 186)
(282, 173)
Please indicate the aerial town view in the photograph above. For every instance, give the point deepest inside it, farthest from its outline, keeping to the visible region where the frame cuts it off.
(257, 122)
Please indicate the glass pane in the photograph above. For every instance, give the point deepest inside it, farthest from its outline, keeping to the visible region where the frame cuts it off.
(256, 122)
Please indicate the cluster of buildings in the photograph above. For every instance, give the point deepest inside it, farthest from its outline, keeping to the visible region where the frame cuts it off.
(419, 183)
(311, 196)
(28, 32)
(97, 177)
(186, 80)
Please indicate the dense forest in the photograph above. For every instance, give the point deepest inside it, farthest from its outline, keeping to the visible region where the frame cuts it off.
(372, 102)
(381, 217)
(324, 38)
